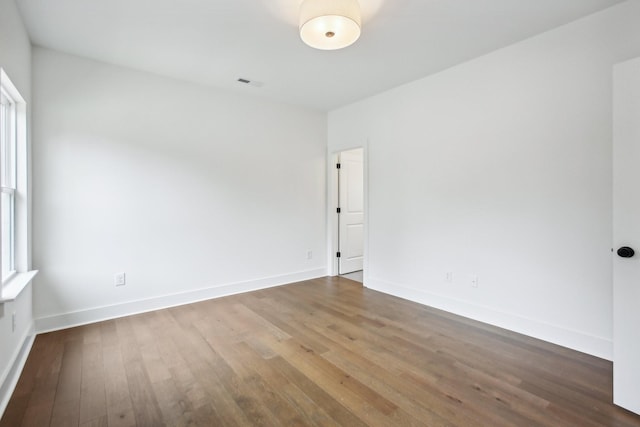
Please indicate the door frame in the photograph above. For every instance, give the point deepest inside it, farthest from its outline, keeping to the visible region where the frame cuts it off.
(333, 243)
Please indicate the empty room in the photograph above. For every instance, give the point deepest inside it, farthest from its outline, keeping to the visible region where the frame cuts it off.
(320, 213)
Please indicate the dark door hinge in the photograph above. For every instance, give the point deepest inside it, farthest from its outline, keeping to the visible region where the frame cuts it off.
(338, 254)
(338, 210)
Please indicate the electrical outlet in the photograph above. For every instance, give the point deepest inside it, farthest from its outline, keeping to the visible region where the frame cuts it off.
(13, 322)
(119, 279)
(309, 254)
(449, 277)
(473, 279)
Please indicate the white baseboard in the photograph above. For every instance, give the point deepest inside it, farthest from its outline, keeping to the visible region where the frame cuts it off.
(98, 314)
(575, 340)
(12, 374)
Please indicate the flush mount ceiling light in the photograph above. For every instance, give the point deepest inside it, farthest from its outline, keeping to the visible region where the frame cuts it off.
(329, 24)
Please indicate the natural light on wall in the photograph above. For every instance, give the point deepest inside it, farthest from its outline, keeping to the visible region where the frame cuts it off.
(330, 24)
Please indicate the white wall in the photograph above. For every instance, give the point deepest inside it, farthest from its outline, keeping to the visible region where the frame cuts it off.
(501, 168)
(15, 59)
(193, 192)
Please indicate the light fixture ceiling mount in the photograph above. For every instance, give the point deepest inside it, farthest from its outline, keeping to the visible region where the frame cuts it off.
(330, 24)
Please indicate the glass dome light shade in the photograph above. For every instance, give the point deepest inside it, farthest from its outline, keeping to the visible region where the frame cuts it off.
(329, 24)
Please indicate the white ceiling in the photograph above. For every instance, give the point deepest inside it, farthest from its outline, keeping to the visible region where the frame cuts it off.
(214, 42)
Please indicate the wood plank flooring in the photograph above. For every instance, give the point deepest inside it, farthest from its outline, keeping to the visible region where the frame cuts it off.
(324, 352)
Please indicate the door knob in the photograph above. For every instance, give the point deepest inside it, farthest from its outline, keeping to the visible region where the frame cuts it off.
(626, 252)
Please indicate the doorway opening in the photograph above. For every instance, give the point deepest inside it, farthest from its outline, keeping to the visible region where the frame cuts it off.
(350, 203)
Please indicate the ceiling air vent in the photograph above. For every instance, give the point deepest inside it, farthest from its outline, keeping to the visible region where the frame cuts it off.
(250, 82)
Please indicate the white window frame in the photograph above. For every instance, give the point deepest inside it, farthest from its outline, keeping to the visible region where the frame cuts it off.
(16, 183)
(8, 130)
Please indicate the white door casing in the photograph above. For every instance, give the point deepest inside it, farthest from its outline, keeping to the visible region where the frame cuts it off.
(626, 232)
(351, 216)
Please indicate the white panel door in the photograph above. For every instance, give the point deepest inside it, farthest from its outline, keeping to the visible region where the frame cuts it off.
(626, 233)
(351, 216)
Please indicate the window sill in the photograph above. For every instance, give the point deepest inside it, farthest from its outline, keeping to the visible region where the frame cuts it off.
(16, 285)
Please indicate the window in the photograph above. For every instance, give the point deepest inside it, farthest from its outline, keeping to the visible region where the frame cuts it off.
(14, 219)
(8, 145)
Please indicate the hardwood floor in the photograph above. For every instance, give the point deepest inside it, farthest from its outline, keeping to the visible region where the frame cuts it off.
(324, 352)
(356, 276)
